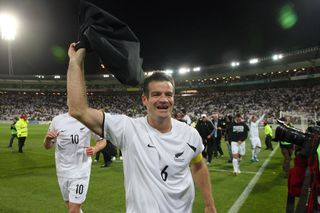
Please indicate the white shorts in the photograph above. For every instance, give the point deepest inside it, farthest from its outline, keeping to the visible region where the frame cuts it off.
(74, 190)
(238, 148)
(255, 142)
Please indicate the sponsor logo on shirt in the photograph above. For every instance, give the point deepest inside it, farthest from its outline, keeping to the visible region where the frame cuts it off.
(192, 147)
(177, 157)
(150, 146)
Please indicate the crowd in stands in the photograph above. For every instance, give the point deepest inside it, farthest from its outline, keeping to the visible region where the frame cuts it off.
(43, 107)
(266, 77)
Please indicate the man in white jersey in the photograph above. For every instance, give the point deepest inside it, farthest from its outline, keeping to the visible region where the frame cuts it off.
(156, 149)
(254, 137)
(73, 157)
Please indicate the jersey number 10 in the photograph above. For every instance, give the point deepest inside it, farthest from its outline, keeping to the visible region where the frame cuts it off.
(75, 139)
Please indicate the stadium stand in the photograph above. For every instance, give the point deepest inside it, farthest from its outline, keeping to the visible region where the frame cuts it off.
(290, 85)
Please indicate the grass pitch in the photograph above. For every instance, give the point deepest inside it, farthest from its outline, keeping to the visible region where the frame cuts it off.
(28, 181)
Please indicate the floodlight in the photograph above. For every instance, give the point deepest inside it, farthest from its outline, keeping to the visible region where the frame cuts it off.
(56, 77)
(168, 71)
(8, 26)
(183, 70)
(277, 57)
(196, 69)
(235, 63)
(254, 61)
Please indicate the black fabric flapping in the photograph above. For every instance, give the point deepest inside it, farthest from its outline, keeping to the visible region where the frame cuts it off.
(113, 41)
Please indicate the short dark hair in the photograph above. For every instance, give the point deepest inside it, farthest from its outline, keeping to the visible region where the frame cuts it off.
(156, 76)
(238, 115)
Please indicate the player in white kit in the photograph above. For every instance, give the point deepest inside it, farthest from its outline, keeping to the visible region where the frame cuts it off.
(156, 149)
(73, 157)
(254, 137)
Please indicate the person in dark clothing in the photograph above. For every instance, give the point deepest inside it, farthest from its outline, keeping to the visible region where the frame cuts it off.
(13, 132)
(228, 122)
(286, 151)
(107, 152)
(205, 128)
(238, 133)
(216, 135)
(179, 116)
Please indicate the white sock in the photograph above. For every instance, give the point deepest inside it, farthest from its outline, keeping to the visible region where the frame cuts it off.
(252, 153)
(257, 151)
(81, 211)
(235, 164)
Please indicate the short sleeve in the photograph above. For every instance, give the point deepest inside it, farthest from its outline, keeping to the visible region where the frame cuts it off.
(114, 127)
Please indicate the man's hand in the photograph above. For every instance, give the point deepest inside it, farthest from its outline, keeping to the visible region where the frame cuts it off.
(49, 140)
(209, 136)
(76, 56)
(51, 135)
(90, 150)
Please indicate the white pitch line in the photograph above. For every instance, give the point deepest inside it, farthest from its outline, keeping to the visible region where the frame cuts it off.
(240, 201)
(230, 171)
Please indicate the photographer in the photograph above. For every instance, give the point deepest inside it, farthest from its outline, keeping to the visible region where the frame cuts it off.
(304, 178)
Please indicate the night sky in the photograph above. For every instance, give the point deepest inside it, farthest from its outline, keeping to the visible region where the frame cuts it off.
(172, 33)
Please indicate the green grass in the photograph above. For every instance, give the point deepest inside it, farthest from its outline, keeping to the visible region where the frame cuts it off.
(28, 181)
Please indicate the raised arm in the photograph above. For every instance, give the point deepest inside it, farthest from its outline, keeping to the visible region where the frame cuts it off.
(261, 118)
(77, 94)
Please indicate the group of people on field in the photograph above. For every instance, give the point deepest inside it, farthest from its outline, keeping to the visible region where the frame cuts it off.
(157, 150)
(162, 156)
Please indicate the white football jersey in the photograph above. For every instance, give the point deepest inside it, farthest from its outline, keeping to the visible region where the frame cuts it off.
(156, 165)
(254, 128)
(70, 153)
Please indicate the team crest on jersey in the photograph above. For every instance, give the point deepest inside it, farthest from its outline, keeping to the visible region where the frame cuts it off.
(177, 157)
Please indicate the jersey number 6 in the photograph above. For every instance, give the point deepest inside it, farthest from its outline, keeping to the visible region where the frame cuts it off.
(164, 174)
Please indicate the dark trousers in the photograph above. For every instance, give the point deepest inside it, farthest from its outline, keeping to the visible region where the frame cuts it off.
(204, 152)
(217, 147)
(268, 142)
(21, 141)
(106, 155)
(229, 150)
(13, 136)
(286, 153)
(210, 145)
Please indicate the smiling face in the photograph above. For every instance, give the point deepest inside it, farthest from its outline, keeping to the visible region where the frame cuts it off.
(159, 100)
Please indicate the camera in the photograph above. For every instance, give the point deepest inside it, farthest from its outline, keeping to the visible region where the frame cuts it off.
(284, 132)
